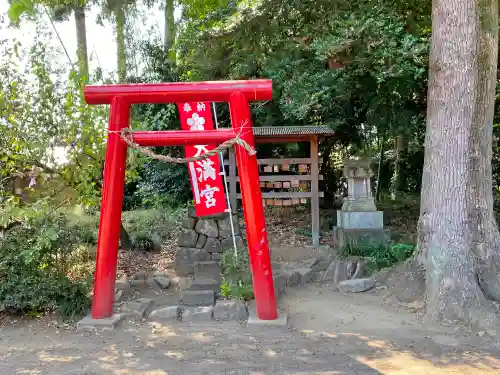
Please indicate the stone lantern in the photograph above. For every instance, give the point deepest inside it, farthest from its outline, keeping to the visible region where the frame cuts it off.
(358, 219)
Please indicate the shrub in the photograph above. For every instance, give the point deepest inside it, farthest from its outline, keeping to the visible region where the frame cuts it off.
(236, 276)
(150, 228)
(35, 263)
(382, 255)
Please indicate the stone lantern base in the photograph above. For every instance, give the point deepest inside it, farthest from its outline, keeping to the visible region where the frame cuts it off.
(359, 221)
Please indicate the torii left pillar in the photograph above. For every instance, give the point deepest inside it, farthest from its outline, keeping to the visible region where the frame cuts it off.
(121, 97)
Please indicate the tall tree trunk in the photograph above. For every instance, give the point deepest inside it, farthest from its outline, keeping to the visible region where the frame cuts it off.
(380, 164)
(169, 27)
(459, 242)
(397, 181)
(120, 43)
(81, 42)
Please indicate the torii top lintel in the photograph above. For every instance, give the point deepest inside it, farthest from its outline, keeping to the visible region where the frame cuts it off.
(178, 92)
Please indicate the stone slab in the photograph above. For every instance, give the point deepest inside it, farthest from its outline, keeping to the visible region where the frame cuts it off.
(198, 314)
(207, 270)
(254, 321)
(343, 237)
(198, 298)
(360, 220)
(216, 257)
(168, 313)
(185, 259)
(88, 323)
(356, 285)
(230, 310)
(205, 284)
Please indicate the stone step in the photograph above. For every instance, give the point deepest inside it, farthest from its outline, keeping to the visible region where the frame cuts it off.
(198, 298)
(200, 283)
(207, 270)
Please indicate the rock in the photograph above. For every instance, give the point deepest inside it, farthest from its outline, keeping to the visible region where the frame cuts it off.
(337, 271)
(208, 270)
(280, 282)
(139, 275)
(198, 314)
(342, 271)
(160, 273)
(187, 238)
(230, 310)
(330, 272)
(319, 264)
(118, 295)
(188, 222)
(202, 239)
(162, 281)
(208, 227)
(138, 283)
(225, 227)
(213, 245)
(198, 298)
(122, 284)
(306, 275)
(168, 313)
(185, 259)
(227, 243)
(139, 307)
(293, 278)
(192, 212)
(356, 285)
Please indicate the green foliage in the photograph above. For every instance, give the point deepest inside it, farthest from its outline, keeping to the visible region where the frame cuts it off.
(236, 275)
(148, 229)
(36, 259)
(163, 185)
(380, 255)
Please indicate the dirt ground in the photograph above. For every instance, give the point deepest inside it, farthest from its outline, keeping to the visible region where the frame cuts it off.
(329, 333)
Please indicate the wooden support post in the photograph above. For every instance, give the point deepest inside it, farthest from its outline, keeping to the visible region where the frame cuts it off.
(232, 180)
(315, 191)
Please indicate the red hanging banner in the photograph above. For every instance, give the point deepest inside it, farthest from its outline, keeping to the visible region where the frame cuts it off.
(206, 180)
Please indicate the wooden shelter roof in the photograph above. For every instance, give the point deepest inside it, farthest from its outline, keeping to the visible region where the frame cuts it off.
(285, 134)
(270, 131)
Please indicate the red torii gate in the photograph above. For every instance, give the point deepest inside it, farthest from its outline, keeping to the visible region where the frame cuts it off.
(121, 97)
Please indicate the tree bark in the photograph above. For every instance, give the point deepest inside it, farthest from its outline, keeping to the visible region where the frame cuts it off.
(81, 42)
(121, 54)
(397, 181)
(458, 238)
(169, 26)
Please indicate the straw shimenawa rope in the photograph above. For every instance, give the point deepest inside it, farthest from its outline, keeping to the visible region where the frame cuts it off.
(127, 135)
